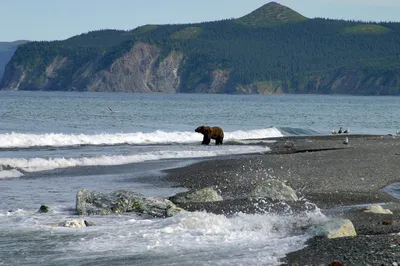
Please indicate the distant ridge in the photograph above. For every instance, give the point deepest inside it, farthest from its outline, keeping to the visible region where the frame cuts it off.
(271, 14)
(271, 50)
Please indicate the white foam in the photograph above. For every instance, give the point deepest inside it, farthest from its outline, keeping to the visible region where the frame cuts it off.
(20, 140)
(196, 238)
(10, 173)
(202, 238)
(41, 164)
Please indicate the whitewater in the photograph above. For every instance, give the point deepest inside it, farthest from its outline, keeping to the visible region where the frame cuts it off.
(156, 145)
(54, 143)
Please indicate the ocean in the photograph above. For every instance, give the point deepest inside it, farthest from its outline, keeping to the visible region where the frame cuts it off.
(54, 143)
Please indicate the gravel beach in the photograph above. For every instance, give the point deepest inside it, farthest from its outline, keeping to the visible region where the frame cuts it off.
(325, 171)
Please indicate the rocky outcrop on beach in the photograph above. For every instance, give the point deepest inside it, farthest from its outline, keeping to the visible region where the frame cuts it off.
(207, 194)
(270, 196)
(333, 228)
(123, 201)
(275, 190)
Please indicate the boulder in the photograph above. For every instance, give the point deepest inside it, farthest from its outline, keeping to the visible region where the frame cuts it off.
(44, 209)
(74, 223)
(123, 201)
(207, 194)
(333, 228)
(159, 207)
(377, 209)
(275, 190)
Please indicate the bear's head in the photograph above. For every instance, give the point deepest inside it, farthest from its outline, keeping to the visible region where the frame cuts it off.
(202, 129)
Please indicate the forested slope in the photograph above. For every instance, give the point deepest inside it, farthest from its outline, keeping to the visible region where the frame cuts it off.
(271, 50)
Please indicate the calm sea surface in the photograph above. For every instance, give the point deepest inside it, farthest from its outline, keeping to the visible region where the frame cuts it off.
(53, 143)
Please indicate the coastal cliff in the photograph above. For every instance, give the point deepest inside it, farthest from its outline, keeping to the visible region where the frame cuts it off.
(139, 70)
(272, 50)
(7, 50)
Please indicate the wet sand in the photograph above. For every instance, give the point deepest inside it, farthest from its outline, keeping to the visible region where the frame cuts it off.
(324, 171)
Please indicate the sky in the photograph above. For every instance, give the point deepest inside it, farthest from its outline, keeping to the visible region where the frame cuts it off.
(41, 20)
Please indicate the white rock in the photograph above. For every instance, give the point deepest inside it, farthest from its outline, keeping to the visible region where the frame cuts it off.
(333, 228)
(74, 223)
(274, 189)
(378, 209)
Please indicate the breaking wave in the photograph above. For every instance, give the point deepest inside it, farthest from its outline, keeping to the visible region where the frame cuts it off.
(21, 140)
(13, 167)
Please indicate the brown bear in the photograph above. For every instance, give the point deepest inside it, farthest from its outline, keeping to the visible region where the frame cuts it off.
(211, 133)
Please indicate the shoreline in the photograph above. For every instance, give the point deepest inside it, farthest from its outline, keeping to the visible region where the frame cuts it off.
(324, 171)
(320, 168)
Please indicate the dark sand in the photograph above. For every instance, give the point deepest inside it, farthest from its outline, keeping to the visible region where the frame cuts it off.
(327, 172)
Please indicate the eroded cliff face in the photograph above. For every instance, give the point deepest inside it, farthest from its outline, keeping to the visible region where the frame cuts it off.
(340, 81)
(14, 78)
(217, 82)
(20, 77)
(145, 68)
(140, 70)
(347, 81)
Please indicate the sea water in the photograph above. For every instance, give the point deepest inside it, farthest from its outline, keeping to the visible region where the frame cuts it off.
(54, 143)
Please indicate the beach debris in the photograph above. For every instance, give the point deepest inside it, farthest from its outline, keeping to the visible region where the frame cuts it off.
(207, 194)
(346, 141)
(333, 228)
(123, 201)
(387, 222)
(44, 209)
(275, 190)
(377, 209)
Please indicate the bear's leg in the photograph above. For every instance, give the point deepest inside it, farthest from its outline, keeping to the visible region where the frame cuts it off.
(218, 141)
(206, 140)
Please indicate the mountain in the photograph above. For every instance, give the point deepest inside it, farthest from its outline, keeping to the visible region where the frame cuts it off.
(7, 50)
(271, 14)
(271, 50)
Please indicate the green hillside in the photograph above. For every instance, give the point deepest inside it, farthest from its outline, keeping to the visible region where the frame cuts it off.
(367, 29)
(271, 14)
(272, 49)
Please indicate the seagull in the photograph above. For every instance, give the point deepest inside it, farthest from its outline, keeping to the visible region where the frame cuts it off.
(397, 132)
(347, 131)
(346, 141)
(334, 132)
(111, 110)
(340, 130)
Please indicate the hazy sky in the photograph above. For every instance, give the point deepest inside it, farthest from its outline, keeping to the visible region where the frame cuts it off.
(61, 19)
